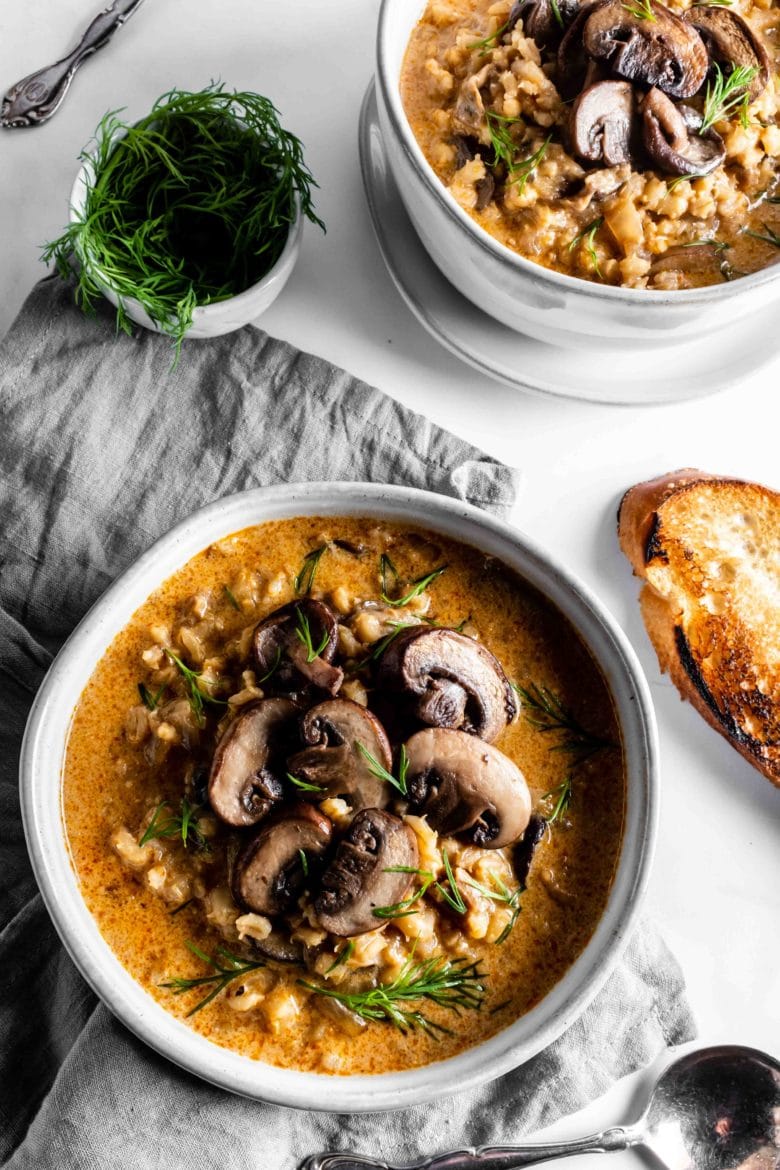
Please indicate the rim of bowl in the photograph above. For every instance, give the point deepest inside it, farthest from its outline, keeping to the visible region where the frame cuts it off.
(390, 90)
(41, 792)
(286, 256)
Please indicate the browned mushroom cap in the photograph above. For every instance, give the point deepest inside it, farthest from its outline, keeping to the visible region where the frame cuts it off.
(334, 761)
(451, 680)
(574, 65)
(463, 785)
(666, 51)
(357, 882)
(543, 20)
(244, 782)
(732, 42)
(601, 122)
(280, 649)
(671, 140)
(270, 872)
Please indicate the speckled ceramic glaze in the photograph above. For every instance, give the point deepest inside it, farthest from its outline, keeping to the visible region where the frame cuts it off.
(42, 762)
(221, 316)
(551, 306)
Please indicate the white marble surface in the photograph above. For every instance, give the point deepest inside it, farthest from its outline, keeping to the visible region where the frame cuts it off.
(716, 878)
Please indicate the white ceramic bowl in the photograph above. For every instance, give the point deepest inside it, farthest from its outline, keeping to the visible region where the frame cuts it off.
(220, 316)
(42, 762)
(551, 306)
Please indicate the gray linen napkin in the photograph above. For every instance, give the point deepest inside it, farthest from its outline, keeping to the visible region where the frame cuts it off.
(102, 450)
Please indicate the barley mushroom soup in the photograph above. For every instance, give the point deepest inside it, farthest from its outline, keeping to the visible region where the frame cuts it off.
(621, 141)
(345, 795)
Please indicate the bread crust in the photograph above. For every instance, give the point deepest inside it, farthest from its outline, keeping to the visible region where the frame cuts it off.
(639, 534)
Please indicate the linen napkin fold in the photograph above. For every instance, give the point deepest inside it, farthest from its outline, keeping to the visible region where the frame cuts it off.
(103, 449)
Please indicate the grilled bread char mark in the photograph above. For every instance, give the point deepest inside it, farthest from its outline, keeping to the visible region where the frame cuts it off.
(708, 550)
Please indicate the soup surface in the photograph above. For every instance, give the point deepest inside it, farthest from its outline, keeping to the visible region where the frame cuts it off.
(175, 889)
(569, 143)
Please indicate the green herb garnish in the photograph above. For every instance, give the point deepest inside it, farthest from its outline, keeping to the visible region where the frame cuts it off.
(183, 824)
(641, 10)
(196, 696)
(381, 773)
(388, 570)
(274, 666)
(711, 242)
(342, 957)
(547, 713)
(562, 795)
(152, 702)
(303, 634)
(505, 150)
(670, 185)
(454, 984)
(771, 236)
(304, 578)
(230, 595)
(191, 205)
(448, 889)
(501, 893)
(587, 237)
(304, 862)
(556, 13)
(304, 785)
(727, 94)
(489, 42)
(383, 643)
(230, 968)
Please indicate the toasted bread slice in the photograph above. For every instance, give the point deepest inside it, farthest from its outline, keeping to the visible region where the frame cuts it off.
(708, 549)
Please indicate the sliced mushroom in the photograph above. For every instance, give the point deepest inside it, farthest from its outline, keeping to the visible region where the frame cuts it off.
(468, 115)
(357, 881)
(732, 42)
(672, 141)
(526, 847)
(689, 258)
(575, 68)
(465, 786)
(245, 778)
(279, 947)
(666, 51)
(281, 652)
(270, 872)
(601, 122)
(543, 20)
(335, 762)
(451, 681)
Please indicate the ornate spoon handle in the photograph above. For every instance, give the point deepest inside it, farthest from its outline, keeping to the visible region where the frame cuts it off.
(485, 1158)
(36, 97)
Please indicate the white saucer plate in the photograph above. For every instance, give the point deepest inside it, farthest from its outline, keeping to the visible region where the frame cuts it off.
(625, 377)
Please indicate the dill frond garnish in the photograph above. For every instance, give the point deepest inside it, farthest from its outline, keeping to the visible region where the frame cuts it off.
(455, 984)
(231, 597)
(183, 824)
(149, 700)
(304, 578)
(641, 10)
(343, 956)
(304, 785)
(489, 42)
(190, 205)
(273, 667)
(388, 571)
(381, 773)
(506, 897)
(448, 889)
(545, 711)
(303, 634)
(587, 237)
(562, 798)
(505, 150)
(708, 242)
(383, 643)
(556, 13)
(671, 184)
(226, 967)
(197, 697)
(726, 95)
(771, 237)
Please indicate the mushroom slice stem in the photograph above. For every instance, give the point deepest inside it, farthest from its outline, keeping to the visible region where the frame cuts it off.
(672, 140)
(244, 783)
(334, 761)
(601, 122)
(468, 787)
(282, 652)
(450, 681)
(732, 42)
(270, 871)
(358, 879)
(665, 51)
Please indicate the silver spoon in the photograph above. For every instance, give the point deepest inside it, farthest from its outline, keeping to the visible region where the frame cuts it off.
(36, 97)
(715, 1109)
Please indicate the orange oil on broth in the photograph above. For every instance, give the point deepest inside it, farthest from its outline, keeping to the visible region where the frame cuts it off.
(107, 783)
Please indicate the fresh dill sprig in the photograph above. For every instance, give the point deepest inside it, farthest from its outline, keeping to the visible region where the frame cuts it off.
(714, 3)
(273, 667)
(195, 695)
(556, 13)
(455, 984)
(641, 10)
(231, 597)
(711, 242)
(489, 42)
(183, 824)
(304, 785)
(303, 634)
(670, 185)
(381, 773)
(388, 570)
(304, 578)
(149, 700)
(383, 643)
(771, 236)
(446, 626)
(448, 889)
(227, 967)
(562, 794)
(304, 862)
(506, 897)
(505, 150)
(587, 237)
(545, 711)
(190, 205)
(343, 956)
(727, 94)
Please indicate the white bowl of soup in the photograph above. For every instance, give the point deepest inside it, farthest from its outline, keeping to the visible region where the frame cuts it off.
(343, 796)
(567, 250)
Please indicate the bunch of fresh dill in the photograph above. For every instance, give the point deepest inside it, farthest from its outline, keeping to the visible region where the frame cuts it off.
(191, 205)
